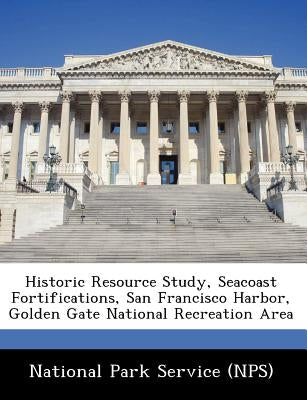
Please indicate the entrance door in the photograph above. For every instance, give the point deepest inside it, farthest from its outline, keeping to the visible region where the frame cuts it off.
(114, 167)
(168, 170)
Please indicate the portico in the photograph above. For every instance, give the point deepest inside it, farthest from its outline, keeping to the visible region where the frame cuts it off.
(216, 116)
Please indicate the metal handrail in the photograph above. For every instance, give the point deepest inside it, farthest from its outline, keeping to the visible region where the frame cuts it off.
(41, 186)
(277, 187)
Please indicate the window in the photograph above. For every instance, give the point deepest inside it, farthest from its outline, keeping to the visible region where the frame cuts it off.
(168, 127)
(10, 127)
(115, 128)
(249, 127)
(221, 127)
(193, 128)
(32, 169)
(6, 169)
(298, 126)
(141, 128)
(87, 127)
(36, 127)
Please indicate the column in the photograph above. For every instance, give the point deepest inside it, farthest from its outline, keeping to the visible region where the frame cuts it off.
(185, 177)
(154, 177)
(72, 138)
(18, 108)
(65, 125)
(93, 148)
(123, 177)
(45, 107)
(290, 106)
(215, 175)
(273, 132)
(243, 135)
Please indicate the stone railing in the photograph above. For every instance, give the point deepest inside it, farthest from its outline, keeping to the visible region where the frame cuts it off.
(293, 73)
(27, 73)
(67, 168)
(273, 167)
(265, 175)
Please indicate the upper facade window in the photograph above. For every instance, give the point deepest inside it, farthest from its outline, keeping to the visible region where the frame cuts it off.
(221, 128)
(87, 127)
(36, 127)
(10, 127)
(249, 127)
(193, 128)
(168, 127)
(298, 126)
(115, 128)
(141, 128)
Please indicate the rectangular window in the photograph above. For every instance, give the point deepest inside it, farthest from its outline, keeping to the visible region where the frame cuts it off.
(36, 127)
(298, 126)
(10, 127)
(168, 127)
(6, 169)
(115, 128)
(193, 128)
(221, 128)
(87, 127)
(141, 128)
(32, 169)
(249, 127)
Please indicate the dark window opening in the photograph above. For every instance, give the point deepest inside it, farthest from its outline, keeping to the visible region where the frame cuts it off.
(193, 128)
(221, 127)
(87, 127)
(141, 128)
(115, 128)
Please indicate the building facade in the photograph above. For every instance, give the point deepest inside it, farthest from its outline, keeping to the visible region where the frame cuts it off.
(163, 113)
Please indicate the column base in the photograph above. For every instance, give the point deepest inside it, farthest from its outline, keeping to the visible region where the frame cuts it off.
(216, 179)
(243, 177)
(185, 179)
(122, 179)
(153, 179)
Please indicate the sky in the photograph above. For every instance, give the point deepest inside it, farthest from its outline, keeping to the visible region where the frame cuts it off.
(37, 33)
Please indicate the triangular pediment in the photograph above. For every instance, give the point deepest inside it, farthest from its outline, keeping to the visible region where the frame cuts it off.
(166, 58)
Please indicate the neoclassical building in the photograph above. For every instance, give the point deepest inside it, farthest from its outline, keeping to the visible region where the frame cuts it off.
(163, 113)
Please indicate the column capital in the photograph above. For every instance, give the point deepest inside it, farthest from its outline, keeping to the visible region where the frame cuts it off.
(290, 106)
(95, 95)
(124, 96)
(270, 96)
(183, 95)
(66, 96)
(45, 106)
(212, 95)
(154, 95)
(241, 95)
(18, 106)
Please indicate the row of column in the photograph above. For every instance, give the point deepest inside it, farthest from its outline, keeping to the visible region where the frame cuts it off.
(124, 150)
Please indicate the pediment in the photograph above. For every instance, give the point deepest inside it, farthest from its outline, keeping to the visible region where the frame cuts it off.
(166, 58)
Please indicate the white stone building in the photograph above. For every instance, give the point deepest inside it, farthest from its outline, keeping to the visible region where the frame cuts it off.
(166, 111)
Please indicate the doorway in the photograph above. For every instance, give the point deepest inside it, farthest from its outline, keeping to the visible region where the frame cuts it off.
(169, 170)
(114, 168)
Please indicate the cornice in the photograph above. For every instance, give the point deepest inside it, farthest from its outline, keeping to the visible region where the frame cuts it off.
(94, 74)
(30, 85)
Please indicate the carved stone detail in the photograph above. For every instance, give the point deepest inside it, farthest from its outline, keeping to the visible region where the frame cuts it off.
(169, 58)
(290, 106)
(183, 95)
(18, 106)
(124, 96)
(95, 95)
(241, 95)
(212, 95)
(154, 95)
(270, 96)
(66, 96)
(45, 106)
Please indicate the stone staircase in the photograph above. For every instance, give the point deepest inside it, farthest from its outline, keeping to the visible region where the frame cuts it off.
(214, 223)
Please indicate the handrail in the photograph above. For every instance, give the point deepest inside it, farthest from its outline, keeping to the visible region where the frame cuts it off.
(41, 186)
(23, 188)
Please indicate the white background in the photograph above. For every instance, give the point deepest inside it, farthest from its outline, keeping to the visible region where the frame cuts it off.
(291, 279)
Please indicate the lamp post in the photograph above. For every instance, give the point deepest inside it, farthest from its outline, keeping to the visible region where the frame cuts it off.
(53, 159)
(291, 160)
